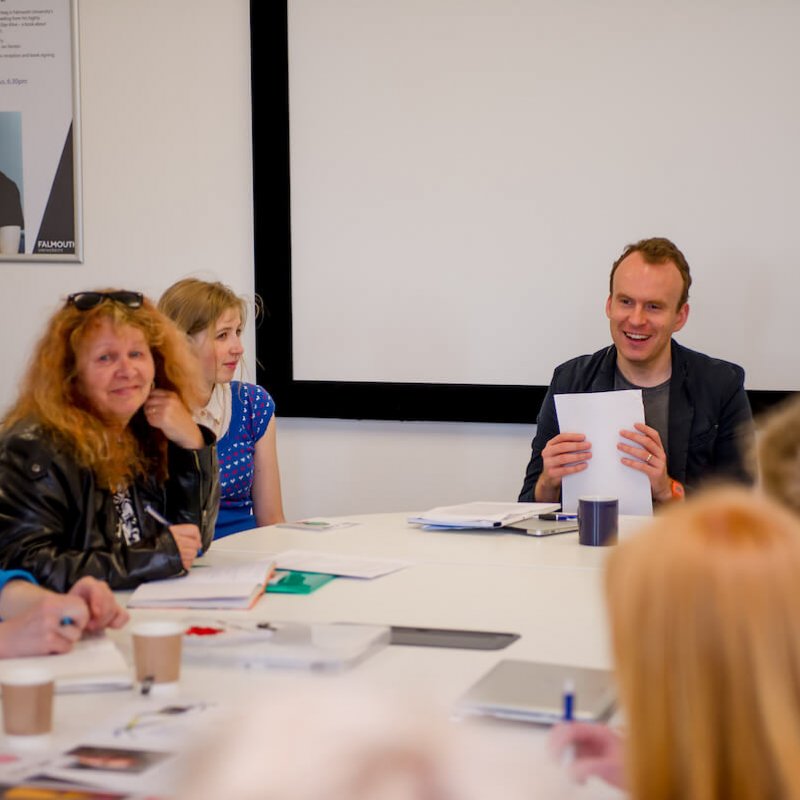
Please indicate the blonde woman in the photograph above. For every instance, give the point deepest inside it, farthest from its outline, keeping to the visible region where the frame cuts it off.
(705, 620)
(241, 414)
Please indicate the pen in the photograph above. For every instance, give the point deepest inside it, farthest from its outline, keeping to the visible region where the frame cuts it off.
(159, 517)
(569, 700)
(305, 523)
(558, 516)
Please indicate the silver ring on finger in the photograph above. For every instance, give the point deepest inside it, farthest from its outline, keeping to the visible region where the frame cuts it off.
(648, 459)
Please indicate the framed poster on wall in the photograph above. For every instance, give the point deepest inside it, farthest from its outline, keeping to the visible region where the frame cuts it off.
(40, 204)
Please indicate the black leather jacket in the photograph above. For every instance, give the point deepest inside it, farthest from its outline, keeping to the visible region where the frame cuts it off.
(710, 424)
(57, 523)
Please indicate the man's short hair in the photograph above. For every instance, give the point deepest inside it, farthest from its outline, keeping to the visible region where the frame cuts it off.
(657, 250)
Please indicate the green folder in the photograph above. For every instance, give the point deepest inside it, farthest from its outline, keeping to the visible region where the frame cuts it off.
(292, 582)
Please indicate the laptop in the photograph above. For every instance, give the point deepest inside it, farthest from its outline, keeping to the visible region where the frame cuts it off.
(534, 526)
(530, 691)
(317, 646)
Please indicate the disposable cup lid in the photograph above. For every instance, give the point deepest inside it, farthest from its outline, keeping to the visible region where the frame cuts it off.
(158, 628)
(26, 676)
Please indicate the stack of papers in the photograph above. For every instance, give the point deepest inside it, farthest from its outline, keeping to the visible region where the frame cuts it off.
(94, 664)
(480, 515)
(207, 587)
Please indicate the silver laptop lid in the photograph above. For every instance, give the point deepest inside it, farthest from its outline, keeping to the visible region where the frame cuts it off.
(534, 692)
(543, 527)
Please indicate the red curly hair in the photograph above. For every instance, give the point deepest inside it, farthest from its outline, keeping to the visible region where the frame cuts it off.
(49, 393)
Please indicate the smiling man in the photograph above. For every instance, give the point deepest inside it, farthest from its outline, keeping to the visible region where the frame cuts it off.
(696, 410)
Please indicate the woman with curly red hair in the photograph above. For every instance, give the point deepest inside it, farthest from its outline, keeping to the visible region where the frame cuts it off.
(101, 443)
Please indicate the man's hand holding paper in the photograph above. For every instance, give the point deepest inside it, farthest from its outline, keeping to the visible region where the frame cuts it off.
(648, 456)
(605, 416)
(565, 454)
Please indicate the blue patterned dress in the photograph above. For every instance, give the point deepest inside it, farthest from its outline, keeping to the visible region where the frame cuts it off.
(251, 410)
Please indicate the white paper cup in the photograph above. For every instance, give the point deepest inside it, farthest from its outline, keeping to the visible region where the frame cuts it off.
(27, 697)
(157, 653)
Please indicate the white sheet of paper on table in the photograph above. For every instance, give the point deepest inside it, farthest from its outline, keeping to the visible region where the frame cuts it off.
(347, 566)
(95, 664)
(601, 416)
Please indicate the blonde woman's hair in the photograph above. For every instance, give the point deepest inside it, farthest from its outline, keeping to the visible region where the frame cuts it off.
(778, 454)
(195, 305)
(705, 618)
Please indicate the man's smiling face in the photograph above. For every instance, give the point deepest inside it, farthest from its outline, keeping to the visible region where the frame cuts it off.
(643, 312)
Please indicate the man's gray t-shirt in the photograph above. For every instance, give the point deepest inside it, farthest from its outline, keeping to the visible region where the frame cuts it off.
(656, 404)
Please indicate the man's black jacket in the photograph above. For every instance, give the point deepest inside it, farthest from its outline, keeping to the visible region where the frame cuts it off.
(710, 422)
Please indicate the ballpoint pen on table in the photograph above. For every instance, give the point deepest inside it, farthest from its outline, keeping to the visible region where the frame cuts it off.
(568, 700)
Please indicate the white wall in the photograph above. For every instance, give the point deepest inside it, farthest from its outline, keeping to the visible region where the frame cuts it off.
(167, 191)
(346, 466)
(465, 171)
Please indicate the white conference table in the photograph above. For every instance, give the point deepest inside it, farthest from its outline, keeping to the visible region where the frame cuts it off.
(391, 536)
(547, 589)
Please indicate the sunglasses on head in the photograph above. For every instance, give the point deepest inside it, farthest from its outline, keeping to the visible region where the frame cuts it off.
(84, 301)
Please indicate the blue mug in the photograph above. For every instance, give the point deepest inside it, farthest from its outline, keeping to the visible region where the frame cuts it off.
(598, 520)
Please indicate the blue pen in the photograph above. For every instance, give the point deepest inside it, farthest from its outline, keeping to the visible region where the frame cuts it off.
(159, 517)
(569, 700)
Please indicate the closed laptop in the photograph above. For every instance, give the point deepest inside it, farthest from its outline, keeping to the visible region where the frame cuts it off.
(532, 691)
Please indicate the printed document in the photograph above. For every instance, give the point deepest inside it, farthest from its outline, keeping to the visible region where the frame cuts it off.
(480, 514)
(601, 416)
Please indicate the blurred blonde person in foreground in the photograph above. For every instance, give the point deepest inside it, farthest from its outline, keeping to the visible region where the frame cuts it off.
(705, 617)
(778, 446)
(334, 740)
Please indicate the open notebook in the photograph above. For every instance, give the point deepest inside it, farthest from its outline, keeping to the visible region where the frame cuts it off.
(236, 586)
